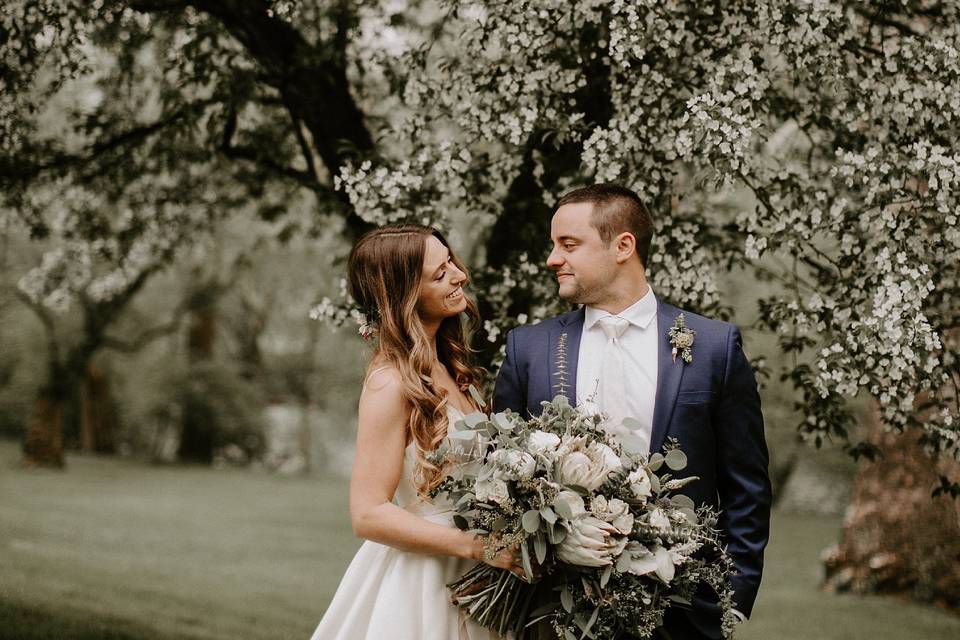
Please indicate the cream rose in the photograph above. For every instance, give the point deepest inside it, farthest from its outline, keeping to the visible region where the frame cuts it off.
(584, 463)
(614, 511)
(640, 483)
(513, 465)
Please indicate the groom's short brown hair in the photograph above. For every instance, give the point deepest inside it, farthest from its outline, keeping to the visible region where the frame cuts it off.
(616, 209)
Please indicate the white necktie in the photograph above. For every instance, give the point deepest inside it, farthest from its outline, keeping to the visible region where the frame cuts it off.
(613, 390)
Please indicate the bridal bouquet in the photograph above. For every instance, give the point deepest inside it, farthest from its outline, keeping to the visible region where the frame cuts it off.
(607, 542)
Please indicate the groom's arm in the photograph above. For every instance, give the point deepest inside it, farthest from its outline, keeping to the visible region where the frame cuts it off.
(743, 482)
(508, 391)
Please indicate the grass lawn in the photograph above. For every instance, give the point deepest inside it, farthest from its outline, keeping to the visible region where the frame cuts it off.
(117, 550)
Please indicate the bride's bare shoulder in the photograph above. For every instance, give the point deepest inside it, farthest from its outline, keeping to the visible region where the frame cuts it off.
(383, 379)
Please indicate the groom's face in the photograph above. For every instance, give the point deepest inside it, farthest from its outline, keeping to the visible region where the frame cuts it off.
(584, 263)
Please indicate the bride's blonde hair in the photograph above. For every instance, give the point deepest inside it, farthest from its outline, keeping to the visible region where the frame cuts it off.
(385, 269)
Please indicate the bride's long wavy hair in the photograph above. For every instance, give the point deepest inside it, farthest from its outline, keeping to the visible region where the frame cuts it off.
(385, 269)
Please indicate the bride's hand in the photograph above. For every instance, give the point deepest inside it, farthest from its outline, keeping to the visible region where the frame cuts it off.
(508, 558)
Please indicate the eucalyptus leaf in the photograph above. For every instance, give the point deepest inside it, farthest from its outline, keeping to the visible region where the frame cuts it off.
(563, 510)
(676, 459)
(461, 522)
(566, 599)
(476, 396)
(558, 533)
(525, 557)
(547, 514)
(503, 422)
(499, 524)
(540, 548)
(531, 521)
(591, 622)
(632, 423)
(656, 460)
(681, 501)
(605, 576)
(474, 420)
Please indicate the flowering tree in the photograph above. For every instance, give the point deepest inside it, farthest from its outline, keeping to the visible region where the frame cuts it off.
(811, 141)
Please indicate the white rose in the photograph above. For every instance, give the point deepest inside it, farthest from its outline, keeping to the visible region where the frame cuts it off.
(640, 483)
(614, 511)
(492, 490)
(542, 442)
(639, 560)
(513, 465)
(660, 520)
(569, 505)
(584, 463)
(590, 543)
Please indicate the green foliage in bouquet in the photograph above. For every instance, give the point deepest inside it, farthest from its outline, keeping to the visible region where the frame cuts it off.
(606, 539)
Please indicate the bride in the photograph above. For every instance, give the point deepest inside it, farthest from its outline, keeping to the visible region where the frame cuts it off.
(406, 278)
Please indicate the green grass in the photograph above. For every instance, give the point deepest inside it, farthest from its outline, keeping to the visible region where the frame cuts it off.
(116, 550)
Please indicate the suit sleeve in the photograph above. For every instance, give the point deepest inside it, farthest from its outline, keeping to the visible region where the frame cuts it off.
(508, 392)
(743, 481)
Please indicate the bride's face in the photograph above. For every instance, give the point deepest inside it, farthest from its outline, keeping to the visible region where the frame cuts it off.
(441, 284)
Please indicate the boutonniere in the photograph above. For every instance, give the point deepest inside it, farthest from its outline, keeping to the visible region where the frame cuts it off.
(681, 337)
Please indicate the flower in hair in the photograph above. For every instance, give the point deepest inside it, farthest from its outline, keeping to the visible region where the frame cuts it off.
(367, 326)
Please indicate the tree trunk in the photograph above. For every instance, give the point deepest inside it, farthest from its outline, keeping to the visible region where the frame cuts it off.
(44, 443)
(196, 435)
(96, 419)
(896, 539)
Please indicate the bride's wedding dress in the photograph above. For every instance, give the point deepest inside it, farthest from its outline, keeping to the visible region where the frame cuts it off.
(389, 594)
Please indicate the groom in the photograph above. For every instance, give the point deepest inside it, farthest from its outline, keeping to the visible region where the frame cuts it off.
(619, 355)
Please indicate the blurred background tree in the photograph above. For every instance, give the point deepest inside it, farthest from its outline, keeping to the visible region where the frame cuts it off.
(810, 143)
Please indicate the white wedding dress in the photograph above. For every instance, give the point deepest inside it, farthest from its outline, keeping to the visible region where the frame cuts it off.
(389, 594)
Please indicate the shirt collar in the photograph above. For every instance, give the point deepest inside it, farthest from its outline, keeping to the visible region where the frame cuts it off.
(640, 313)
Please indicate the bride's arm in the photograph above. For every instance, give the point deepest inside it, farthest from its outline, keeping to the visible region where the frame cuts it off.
(377, 467)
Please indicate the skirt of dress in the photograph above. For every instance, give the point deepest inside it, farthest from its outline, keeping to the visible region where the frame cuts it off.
(388, 594)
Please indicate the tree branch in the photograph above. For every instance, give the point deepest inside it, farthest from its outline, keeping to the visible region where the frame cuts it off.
(146, 337)
(17, 170)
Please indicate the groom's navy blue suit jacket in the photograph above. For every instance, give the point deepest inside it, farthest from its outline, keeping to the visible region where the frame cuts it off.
(710, 405)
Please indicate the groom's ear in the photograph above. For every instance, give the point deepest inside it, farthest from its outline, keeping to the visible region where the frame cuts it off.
(626, 246)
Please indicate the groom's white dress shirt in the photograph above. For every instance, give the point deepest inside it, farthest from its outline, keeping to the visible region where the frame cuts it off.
(639, 344)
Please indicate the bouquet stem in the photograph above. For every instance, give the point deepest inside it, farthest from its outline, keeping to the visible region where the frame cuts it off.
(494, 597)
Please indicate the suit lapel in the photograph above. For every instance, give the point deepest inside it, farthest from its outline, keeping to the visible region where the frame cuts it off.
(571, 326)
(669, 374)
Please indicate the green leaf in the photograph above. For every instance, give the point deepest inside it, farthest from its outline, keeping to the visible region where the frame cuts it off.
(563, 510)
(547, 514)
(566, 599)
(655, 461)
(557, 533)
(525, 556)
(605, 576)
(476, 396)
(531, 521)
(499, 524)
(474, 420)
(633, 444)
(590, 623)
(676, 459)
(503, 422)
(681, 501)
(540, 548)
(632, 423)
(461, 522)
